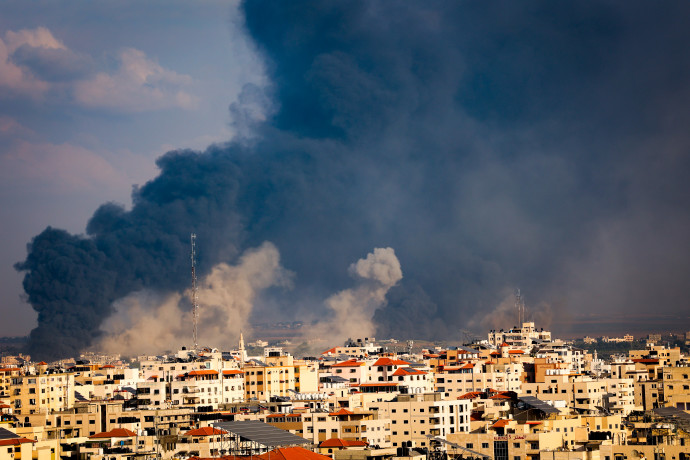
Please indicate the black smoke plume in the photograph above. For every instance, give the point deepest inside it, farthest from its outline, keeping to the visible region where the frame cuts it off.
(492, 145)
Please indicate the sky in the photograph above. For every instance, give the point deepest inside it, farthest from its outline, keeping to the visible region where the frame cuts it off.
(91, 94)
(407, 164)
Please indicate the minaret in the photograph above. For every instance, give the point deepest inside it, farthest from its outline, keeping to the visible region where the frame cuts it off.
(243, 352)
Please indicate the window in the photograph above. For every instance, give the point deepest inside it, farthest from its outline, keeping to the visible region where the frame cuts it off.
(485, 445)
(469, 445)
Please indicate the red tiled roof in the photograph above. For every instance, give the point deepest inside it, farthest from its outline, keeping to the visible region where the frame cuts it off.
(348, 363)
(108, 366)
(329, 351)
(341, 412)
(14, 441)
(500, 396)
(516, 352)
(153, 377)
(337, 442)
(646, 360)
(390, 362)
(42, 363)
(500, 423)
(205, 431)
(203, 372)
(471, 395)
(408, 371)
(116, 433)
(495, 353)
(504, 344)
(232, 372)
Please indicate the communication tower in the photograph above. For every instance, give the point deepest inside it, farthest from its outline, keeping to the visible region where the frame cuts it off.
(520, 306)
(195, 295)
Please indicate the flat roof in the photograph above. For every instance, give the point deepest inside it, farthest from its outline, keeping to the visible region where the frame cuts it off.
(262, 433)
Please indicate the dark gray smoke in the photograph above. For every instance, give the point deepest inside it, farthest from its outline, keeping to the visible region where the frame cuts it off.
(492, 145)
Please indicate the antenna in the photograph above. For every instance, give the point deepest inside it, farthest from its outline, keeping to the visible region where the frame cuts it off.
(195, 295)
(520, 306)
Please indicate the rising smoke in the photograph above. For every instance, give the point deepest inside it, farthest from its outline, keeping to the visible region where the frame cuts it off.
(541, 145)
(350, 312)
(146, 323)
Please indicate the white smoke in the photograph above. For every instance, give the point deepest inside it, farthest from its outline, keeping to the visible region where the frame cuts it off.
(147, 323)
(352, 309)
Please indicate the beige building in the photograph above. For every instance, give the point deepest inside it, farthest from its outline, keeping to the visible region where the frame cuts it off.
(278, 376)
(41, 393)
(416, 417)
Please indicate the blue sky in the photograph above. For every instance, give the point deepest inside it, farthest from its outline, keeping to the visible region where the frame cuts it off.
(91, 93)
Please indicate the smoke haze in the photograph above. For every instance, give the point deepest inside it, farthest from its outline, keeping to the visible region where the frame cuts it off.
(538, 145)
(145, 323)
(350, 312)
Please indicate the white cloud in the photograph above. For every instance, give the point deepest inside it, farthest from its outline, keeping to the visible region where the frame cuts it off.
(139, 84)
(37, 38)
(16, 79)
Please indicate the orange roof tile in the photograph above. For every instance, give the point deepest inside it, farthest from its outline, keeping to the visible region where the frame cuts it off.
(348, 363)
(516, 352)
(330, 351)
(205, 431)
(471, 395)
(14, 441)
(341, 412)
(232, 372)
(408, 371)
(116, 433)
(500, 423)
(337, 442)
(390, 362)
(204, 372)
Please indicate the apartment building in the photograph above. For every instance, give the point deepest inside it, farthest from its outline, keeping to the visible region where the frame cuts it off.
(416, 417)
(279, 376)
(455, 381)
(522, 337)
(584, 394)
(41, 393)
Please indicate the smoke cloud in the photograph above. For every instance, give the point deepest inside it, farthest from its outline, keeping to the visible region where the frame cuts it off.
(350, 312)
(536, 145)
(145, 323)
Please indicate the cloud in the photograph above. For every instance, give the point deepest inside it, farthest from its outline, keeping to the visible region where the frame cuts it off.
(139, 84)
(14, 79)
(33, 63)
(35, 38)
